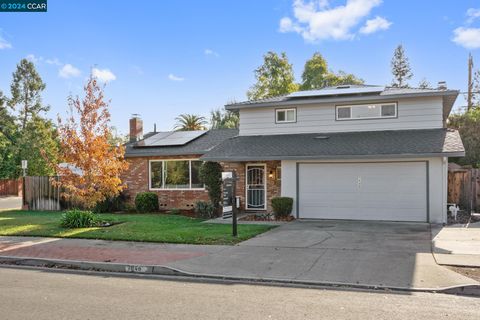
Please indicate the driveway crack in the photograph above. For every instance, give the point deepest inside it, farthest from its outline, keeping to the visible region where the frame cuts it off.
(330, 235)
(312, 265)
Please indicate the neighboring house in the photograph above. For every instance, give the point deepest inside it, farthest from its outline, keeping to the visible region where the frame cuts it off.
(347, 152)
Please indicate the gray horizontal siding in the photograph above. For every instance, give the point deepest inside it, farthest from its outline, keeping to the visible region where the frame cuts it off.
(420, 113)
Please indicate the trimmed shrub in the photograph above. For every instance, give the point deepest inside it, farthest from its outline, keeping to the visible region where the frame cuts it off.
(112, 204)
(204, 210)
(146, 202)
(282, 206)
(211, 175)
(78, 219)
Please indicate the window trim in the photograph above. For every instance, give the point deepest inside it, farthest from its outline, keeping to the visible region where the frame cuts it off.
(163, 175)
(395, 103)
(286, 109)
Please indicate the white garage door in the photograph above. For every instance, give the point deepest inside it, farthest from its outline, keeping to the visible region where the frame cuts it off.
(394, 191)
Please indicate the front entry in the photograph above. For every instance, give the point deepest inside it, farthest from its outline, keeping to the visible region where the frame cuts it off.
(256, 186)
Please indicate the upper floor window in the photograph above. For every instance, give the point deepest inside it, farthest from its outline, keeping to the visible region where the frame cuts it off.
(285, 115)
(367, 111)
(175, 174)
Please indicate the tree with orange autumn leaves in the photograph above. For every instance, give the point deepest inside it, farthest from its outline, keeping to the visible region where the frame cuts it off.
(94, 166)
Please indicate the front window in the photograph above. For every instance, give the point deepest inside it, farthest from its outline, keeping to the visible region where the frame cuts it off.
(367, 111)
(285, 115)
(175, 174)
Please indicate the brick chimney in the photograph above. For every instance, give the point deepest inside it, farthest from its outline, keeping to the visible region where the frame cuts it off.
(442, 85)
(136, 128)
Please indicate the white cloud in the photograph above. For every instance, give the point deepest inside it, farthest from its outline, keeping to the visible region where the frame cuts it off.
(210, 52)
(32, 58)
(318, 21)
(473, 14)
(103, 75)
(175, 78)
(467, 37)
(68, 71)
(374, 25)
(53, 61)
(4, 44)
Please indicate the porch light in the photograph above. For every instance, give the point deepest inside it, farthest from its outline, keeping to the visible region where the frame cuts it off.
(271, 174)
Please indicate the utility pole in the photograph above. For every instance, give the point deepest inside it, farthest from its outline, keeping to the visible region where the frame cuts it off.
(470, 83)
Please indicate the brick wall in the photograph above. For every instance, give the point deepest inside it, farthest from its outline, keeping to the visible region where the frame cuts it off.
(273, 184)
(136, 179)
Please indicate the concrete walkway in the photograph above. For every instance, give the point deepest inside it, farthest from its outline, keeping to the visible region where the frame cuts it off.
(362, 254)
(457, 245)
(10, 203)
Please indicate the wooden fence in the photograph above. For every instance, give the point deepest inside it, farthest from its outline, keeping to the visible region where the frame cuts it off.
(464, 188)
(10, 187)
(41, 193)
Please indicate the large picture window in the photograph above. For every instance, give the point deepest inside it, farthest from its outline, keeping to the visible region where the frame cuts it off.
(175, 174)
(367, 111)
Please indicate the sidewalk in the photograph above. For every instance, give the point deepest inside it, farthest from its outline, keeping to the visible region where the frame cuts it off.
(253, 260)
(457, 245)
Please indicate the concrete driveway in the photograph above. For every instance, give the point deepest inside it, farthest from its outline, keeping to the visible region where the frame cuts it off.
(375, 254)
(10, 203)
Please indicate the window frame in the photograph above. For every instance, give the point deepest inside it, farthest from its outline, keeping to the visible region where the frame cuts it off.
(395, 103)
(163, 161)
(277, 110)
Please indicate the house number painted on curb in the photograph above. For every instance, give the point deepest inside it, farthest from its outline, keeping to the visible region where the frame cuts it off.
(138, 269)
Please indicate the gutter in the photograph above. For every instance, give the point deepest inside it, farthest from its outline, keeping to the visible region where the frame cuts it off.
(293, 101)
(330, 157)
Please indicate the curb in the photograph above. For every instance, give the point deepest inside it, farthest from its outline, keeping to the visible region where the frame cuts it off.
(471, 290)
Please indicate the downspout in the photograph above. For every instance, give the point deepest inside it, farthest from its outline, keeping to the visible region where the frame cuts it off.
(444, 188)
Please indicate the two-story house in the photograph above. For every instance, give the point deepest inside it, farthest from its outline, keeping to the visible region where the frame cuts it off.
(347, 152)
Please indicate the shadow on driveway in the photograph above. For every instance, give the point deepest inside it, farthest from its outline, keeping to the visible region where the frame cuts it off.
(374, 254)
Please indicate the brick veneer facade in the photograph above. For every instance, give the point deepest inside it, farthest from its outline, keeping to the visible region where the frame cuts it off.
(136, 179)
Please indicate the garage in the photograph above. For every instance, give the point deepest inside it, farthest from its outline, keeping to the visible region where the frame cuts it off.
(391, 191)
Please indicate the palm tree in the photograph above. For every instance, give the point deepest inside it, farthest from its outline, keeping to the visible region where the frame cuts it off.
(190, 122)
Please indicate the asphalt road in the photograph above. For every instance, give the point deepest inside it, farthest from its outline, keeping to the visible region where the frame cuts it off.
(40, 294)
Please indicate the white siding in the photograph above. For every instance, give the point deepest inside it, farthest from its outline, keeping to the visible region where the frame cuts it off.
(437, 183)
(419, 113)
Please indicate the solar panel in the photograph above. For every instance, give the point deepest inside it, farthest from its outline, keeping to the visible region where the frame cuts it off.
(175, 138)
(340, 90)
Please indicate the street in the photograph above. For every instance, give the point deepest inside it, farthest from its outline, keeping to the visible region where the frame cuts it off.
(10, 203)
(44, 294)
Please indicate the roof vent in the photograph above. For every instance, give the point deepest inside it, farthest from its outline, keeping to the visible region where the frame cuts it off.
(321, 137)
(345, 86)
(442, 85)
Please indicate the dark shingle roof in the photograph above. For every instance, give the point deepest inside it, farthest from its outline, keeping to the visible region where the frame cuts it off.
(200, 145)
(346, 145)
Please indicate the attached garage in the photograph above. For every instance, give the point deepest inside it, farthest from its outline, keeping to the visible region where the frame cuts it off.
(391, 191)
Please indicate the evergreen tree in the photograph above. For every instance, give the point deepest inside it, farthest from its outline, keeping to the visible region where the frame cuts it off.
(26, 89)
(424, 84)
(400, 68)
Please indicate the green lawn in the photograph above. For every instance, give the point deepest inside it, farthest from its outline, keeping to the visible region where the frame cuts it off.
(134, 227)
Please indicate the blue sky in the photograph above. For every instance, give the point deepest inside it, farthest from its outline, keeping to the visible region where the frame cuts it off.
(163, 58)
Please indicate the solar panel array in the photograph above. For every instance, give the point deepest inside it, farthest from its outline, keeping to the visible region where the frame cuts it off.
(175, 138)
(336, 91)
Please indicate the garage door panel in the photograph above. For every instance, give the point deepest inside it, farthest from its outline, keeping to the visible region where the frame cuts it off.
(369, 191)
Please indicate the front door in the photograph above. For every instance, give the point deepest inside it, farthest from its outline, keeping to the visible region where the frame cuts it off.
(256, 186)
